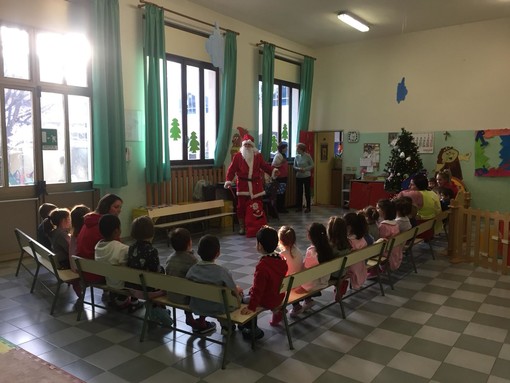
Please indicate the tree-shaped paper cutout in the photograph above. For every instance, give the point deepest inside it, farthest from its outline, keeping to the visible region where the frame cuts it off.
(404, 162)
(285, 132)
(274, 144)
(194, 144)
(175, 130)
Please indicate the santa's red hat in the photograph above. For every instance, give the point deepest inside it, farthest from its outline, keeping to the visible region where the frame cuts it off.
(247, 139)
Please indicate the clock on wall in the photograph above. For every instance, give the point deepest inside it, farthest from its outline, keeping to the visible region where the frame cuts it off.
(353, 136)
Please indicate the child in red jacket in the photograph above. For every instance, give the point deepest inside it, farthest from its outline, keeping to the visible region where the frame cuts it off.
(268, 277)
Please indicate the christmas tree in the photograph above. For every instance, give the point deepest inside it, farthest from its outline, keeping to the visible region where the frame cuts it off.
(404, 162)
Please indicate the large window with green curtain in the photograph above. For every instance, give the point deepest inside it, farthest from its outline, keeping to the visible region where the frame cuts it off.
(45, 108)
(193, 114)
(285, 115)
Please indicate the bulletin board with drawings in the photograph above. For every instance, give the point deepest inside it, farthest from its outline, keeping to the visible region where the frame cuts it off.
(425, 142)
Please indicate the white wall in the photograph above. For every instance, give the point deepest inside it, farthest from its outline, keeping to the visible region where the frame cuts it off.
(458, 78)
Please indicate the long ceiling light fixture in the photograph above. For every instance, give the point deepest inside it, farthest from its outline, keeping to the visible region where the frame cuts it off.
(351, 21)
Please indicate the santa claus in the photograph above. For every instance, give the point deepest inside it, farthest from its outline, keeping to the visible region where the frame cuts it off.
(249, 167)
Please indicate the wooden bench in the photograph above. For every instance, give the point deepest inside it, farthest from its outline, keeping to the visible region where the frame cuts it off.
(337, 266)
(171, 211)
(120, 273)
(212, 293)
(170, 284)
(46, 259)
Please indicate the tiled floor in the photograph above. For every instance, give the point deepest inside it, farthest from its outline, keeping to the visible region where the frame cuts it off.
(448, 323)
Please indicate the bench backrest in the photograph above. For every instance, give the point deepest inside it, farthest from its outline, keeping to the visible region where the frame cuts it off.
(425, 226)
(312, 273)
(44, 256)
(188, 288)
(120, 273)
(184, 208)
(405, 238)
(24, 242)
(375, 250)
(334, 266)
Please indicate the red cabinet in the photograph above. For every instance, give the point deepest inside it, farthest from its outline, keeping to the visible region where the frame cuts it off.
(364, 193)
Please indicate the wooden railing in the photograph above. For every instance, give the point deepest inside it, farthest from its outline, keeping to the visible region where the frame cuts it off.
(479, 236)
(180, 188)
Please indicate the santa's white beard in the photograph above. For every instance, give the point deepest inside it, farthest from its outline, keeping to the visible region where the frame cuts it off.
(248, 154)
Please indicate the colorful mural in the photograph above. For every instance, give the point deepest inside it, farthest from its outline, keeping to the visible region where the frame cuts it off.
(492, 153)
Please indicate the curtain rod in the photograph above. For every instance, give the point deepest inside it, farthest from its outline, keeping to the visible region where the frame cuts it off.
(262, 42)
(183, 15)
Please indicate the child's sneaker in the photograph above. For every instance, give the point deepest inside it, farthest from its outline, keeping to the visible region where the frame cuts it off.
(277, 318)
(205, 328)
(308, 305)
(296, 310)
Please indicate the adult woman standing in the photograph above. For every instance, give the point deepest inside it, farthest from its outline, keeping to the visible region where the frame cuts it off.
(280, 162)
(303, 164)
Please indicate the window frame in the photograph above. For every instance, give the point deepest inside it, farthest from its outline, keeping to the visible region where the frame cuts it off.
(289, 102)
(34, 85)
(185, 94)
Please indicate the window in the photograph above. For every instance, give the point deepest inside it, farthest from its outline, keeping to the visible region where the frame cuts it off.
(192, 110)
(45, 108)
(285, 115)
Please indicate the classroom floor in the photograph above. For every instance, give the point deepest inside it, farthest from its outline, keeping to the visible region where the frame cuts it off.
(448, 323)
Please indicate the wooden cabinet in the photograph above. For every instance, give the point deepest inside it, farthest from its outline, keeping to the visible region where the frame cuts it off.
(336, 187)
(364, 193)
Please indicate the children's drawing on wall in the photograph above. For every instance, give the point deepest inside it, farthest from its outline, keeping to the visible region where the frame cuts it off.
(492, 153)
(449, 158)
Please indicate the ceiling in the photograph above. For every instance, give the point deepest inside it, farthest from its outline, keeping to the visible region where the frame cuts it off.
(314, 23)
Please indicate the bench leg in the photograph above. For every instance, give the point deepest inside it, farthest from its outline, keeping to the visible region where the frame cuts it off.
(287, 330)
(35, 278)
(55, 298)
(409, 253)
(145, 320)
(19, 263)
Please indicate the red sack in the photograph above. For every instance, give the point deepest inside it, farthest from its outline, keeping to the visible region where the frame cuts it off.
(255, 217)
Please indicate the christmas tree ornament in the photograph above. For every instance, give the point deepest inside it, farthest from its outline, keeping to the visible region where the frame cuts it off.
(402, 155)
(408, 159)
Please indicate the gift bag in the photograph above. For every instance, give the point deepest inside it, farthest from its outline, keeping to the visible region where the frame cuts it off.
(255, 217)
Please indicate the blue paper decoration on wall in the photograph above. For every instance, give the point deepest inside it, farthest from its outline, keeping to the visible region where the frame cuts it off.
(401, 90)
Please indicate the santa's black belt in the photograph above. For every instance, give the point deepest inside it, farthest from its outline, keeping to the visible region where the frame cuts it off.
(245, 179)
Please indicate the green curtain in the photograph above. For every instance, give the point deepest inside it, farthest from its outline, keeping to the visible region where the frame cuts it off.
(227, 100)
(157, 158)
(109, 140)
(267, 99)
(305, 96)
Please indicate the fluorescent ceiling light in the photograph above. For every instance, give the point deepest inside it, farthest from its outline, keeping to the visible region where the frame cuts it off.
(351, 21)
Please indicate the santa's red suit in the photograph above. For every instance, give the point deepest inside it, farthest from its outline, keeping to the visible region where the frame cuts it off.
(250, 179)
